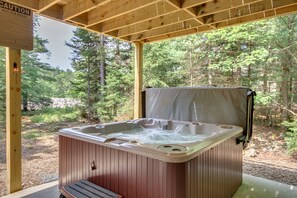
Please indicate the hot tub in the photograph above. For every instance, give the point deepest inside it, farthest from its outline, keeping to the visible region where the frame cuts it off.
(154, 158)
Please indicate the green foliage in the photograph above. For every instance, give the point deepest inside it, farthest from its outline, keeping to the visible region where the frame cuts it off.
(162, 65)
(117, 92)
(291, 136)
(50, 115)
(87, 53)
(32, 134)
(35, 74)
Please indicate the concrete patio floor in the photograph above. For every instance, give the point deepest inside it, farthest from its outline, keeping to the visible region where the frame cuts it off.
(252, 187)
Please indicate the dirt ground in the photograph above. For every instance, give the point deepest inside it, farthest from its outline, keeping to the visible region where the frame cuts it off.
(40, 154)
(265, 157)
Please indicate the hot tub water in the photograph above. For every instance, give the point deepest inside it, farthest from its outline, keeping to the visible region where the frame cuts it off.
(159, 136)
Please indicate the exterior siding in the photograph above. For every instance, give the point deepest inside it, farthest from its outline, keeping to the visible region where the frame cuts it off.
(215, 173)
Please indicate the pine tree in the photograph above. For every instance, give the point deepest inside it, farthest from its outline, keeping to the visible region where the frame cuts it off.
(34, 75)
(88, 55)
(115, 103)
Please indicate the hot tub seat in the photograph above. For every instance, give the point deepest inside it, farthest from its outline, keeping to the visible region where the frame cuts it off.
(86, 189)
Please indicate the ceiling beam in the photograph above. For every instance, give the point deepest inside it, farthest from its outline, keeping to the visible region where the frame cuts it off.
(286, 10)
(175, 3)
(78, 7)
(45, 4)
(176, 17)
(177, 34)
(146, 13)
(165, 30)
(80, 20)
(150, 12)
(282, 3)
(246, 10)
(163, 21)
(143, 16)
(54, 12)
(281, 10)
(250, 12)
(219, 6)
(114, 9)
(192, 3)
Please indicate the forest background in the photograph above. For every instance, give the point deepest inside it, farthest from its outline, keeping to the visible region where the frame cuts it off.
(260, 55)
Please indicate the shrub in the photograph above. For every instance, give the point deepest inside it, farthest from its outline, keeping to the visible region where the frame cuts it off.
(49, 115)
(291, 136)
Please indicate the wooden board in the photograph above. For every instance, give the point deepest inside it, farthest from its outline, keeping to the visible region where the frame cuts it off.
(16, 26)
(13, 120)
(84, 188)
(157, 20)
(138, 80)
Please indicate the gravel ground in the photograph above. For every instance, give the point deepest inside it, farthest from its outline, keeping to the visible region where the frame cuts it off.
(265, 157)
(270, 171)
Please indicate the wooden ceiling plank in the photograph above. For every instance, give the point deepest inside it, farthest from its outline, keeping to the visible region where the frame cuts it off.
(192, 3)
(201, 29)
(292, 8)
(54, 12)
(244, 19)
(263, 6)
(130, 24)
(282, 3)
(236, 3)
(170, 36)
(31, 4)
(269, 13)
(81, 20)
(146, 14)
(168, 29)
(45, 4)
(252, 13)
(212, 7)
(286, 10)
(150, 12)
(78, 7)
(175, 3)
(114, 9)
(162, 21)
(248, 1)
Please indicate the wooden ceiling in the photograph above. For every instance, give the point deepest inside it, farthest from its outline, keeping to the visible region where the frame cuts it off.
(153, 20)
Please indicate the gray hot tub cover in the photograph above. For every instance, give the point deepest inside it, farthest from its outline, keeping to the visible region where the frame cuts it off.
(218, 105)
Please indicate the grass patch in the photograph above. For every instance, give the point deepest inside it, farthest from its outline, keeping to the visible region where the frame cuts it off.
(32, 135)
(50, 115)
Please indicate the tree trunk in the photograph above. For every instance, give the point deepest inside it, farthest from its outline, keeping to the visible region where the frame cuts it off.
(89, 95)
(191, 69)
(209, 74)
(265, 81)
(291, 93)
(117, 53)
(102, 62)
(25, 101)
(238, 73)
(285, 95)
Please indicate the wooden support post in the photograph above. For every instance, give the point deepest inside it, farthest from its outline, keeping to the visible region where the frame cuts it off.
(13, 120)
(138, 80)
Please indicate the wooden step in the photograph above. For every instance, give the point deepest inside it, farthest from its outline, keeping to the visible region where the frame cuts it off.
(86, 189)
